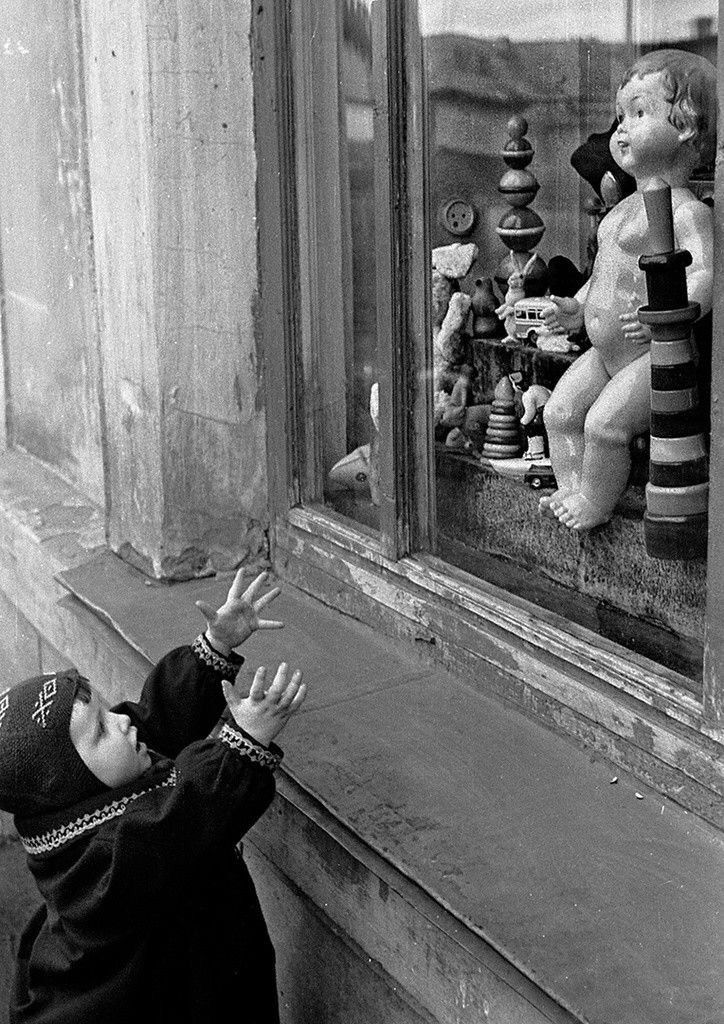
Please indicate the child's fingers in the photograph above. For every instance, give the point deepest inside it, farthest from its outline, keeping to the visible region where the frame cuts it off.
(269, 624)
(279, 685)
(236, 589)
(252, 590)
(256, 691)
(267, 598)
(291, 690)
(208, 611)
(231, 696)
(298, 698)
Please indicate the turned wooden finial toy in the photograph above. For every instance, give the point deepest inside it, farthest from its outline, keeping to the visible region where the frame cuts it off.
(502, 437)
(677, 495)
(484, 304)
(520, 228)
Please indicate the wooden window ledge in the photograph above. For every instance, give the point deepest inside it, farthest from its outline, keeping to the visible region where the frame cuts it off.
(598, 893)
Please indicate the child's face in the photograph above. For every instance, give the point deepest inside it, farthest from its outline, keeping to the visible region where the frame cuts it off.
(106, 742)
(646, 143)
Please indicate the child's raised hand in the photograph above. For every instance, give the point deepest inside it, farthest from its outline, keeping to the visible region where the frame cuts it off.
(264, 712)
(238, 617)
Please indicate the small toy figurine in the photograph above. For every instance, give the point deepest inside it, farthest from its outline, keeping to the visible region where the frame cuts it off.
(359, 470)
(352, 472)
(449, 347)
(534, 400)
(484, 302)
(515, 293)
(464, 421)
(450, 313)
(666, 111)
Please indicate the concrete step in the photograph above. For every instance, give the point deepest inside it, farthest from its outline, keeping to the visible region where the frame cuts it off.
(597, 899)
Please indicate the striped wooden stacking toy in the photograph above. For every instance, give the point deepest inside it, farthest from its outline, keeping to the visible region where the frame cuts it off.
(677, 494)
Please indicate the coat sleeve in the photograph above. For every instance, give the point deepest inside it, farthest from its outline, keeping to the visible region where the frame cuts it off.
(182, 698)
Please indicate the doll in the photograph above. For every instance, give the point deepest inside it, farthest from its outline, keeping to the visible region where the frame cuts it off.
(666, 113)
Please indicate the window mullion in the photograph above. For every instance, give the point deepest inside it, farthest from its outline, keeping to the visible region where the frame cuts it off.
(714, 642)
(393, 296)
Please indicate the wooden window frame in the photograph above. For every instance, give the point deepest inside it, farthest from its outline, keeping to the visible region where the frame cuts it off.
(355, 568)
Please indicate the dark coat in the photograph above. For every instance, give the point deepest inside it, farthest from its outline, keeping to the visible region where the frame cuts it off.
(150, 912)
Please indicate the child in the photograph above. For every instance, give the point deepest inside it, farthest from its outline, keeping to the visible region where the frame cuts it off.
(130, 817)
(666, 111)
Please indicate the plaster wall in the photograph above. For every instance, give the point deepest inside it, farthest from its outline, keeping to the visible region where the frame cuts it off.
(50, 358)
(129, 271)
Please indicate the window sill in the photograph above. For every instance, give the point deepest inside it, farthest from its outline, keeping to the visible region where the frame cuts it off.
(626, 707)
(479, 818)
(651, 683)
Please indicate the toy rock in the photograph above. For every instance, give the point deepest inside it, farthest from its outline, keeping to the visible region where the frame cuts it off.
(454, 260)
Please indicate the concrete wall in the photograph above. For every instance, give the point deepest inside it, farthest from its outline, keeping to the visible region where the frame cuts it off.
(127, 208)
(49, 334)
(23, 653)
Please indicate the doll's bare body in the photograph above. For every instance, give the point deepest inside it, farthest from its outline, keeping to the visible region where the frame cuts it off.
(603, 400)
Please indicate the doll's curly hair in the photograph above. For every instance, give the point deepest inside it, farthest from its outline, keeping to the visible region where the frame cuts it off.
(691, 84)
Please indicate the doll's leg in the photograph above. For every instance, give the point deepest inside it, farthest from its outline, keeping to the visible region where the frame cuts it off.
(564, 416)
(621, 412)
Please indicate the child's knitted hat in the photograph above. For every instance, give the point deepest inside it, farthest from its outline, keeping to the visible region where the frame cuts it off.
(40, 769)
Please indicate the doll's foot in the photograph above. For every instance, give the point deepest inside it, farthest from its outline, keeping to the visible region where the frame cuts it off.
(578, 513)
(549, 504)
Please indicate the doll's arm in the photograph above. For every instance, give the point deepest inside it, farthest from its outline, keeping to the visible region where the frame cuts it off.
(694, 230)
(564, 313)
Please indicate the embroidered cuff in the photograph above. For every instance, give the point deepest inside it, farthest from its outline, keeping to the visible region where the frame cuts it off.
(246, 747)
(226, 667)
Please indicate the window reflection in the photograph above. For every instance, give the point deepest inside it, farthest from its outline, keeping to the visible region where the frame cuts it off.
(352, 481)
(519, 97)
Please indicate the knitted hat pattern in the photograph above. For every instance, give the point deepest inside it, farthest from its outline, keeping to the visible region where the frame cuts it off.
(40, 769)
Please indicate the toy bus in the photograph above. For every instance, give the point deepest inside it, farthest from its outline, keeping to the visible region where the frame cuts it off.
(529, 322)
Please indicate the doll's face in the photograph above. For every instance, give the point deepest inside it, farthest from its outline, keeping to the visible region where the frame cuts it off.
(646, 143)
(106, 742)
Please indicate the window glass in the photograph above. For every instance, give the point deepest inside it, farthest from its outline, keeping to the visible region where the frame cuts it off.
(351, 483)
(521, 103)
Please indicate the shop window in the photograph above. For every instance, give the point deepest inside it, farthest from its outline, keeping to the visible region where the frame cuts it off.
(418, 217)
(520, 177)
